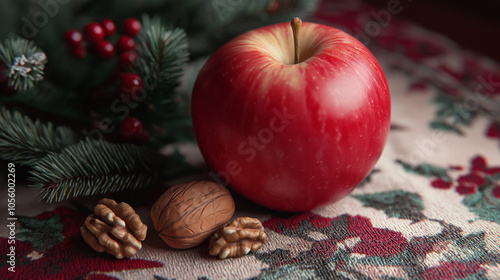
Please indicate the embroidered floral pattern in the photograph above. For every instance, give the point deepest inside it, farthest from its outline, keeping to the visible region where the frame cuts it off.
(66, 256)
(429, 210)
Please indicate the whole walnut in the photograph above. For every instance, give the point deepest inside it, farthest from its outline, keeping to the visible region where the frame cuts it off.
(188, 214)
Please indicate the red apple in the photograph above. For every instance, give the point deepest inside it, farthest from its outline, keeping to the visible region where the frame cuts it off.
(291, 136)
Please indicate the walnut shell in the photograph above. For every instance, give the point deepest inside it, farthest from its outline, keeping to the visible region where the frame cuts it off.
(188, 214)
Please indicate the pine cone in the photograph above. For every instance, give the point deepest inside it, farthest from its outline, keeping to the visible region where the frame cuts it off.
(115, 229)
(240, 237)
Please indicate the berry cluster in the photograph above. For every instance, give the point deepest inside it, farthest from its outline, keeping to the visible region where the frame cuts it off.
(96, 34)
(94, 38)
(130, 85)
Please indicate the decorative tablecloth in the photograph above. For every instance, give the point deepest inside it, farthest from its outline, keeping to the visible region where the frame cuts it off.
(429, 210)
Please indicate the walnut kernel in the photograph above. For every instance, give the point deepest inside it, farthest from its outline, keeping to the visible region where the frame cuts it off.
(242, 236)
(115, 228)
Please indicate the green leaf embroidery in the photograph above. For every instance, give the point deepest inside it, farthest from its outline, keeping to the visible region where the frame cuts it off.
(368, 178)
(426, 170)
(441, 125)
(451, 115)
(399, 204)
(43, 234)
(484, 204)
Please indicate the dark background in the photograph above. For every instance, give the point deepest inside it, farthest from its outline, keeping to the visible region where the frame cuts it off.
(475, 25)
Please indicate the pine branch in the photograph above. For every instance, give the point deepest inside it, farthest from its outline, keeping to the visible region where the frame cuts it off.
(60, 105)
(26, 63)
(163, 50)
(25, 141)
(91, 167)
(235, 11)
(218, 21)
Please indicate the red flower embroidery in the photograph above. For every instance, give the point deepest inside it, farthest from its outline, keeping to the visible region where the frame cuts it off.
(493, 130)
(479, 177)
(496, 192)
(373, 241)
(451, 270)
(465, 190)
(479, 165)
(441, 184)
(468, 184)
(70, 259)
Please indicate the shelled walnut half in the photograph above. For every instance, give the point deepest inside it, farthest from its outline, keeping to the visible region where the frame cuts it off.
(242, 236)
(115, 228)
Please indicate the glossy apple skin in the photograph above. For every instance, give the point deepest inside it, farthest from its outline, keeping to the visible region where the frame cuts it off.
(291, 137)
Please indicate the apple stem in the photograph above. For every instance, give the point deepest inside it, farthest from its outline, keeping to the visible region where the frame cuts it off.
(296, 24)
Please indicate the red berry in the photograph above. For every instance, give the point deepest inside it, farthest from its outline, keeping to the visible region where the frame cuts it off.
(108, 26)
(93, 32)
(127, 59)
(104, 49)
(131, 84)
(73, 37)
(131, 27)
(78, 51)
(125, 43)
(131, 128)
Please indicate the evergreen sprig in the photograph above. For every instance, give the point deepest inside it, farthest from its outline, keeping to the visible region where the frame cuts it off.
(25, 141)
(232, 11)
(25, 62)
(162, 53)
(214, 22)
(84, 91)
(92, 167)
